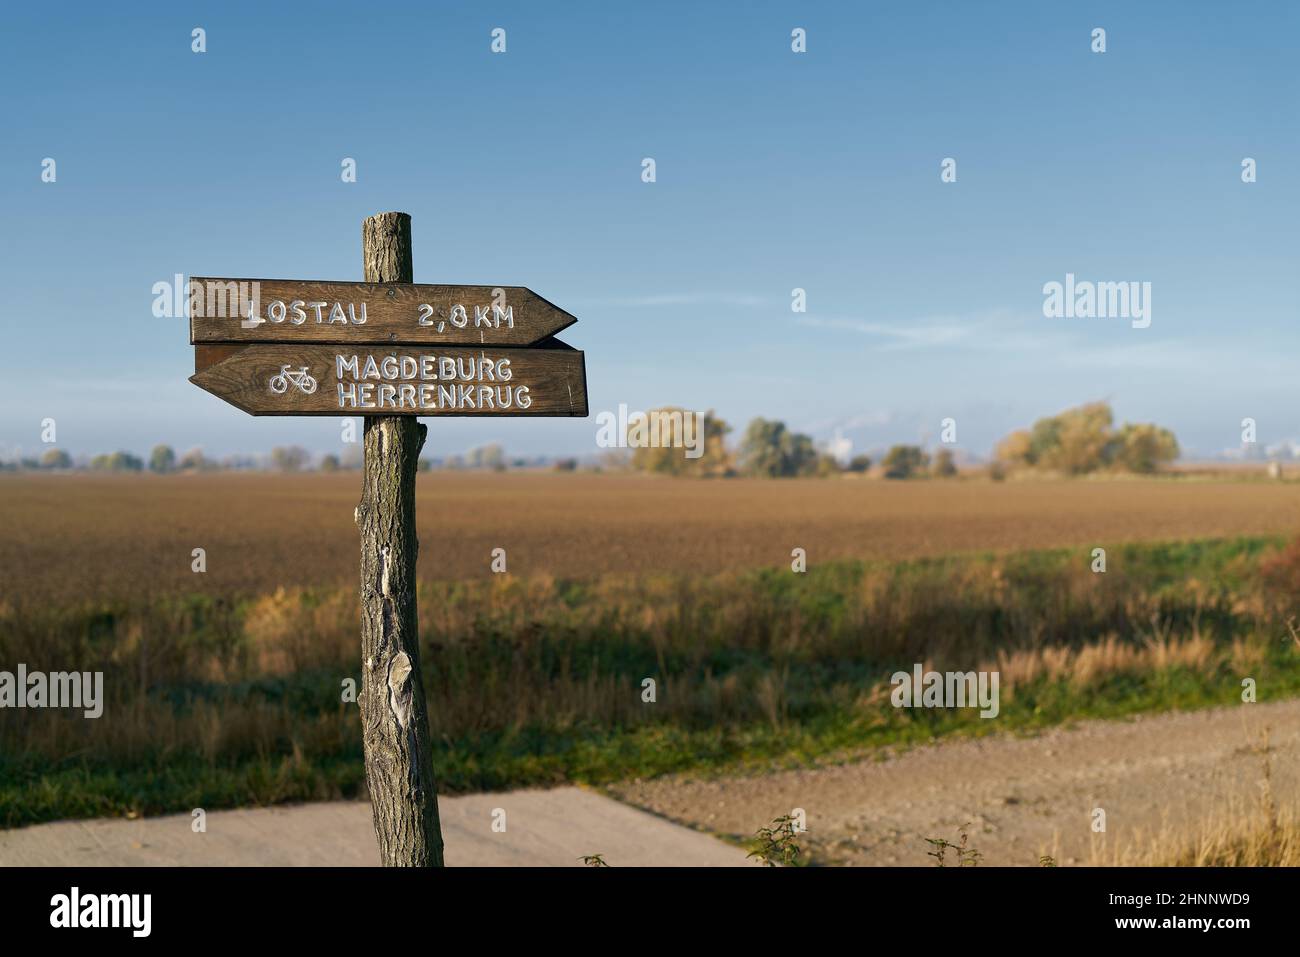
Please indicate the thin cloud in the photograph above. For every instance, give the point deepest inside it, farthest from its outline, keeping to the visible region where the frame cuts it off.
(896, 337)
(1085, 343)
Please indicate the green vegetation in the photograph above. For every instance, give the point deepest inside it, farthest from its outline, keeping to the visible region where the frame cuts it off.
(1082, 440)
(963, 854)
(215, 703)
(905, 461)
(777, 845)
(944, 466)
(162, 459)
(117, 462)
(770, 450)
(289, 458)
(662, 440)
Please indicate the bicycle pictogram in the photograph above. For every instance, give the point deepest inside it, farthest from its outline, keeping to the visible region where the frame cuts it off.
(301, 379)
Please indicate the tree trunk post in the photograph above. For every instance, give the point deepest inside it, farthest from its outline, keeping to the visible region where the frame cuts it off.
(394, 719)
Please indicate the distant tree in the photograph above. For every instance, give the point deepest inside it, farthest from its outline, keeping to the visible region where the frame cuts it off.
(904, 461)
(662, 440)
(943, 466)
(491, 456)
(770, 450)
(1144, 448)
(423, 465)
(1082, 440)
(117, 462)
(195, 460)
(565, 465)
(289, 458)
(1014, 450)
(1076, 441)
(56, 459)
(860, 463)
(330, 463)
(162, 459)
(827, 465)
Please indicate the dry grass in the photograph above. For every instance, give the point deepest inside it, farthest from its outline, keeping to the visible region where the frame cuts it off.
(84, 536)
(1096, 663)
(736, 649)
(1262, 834)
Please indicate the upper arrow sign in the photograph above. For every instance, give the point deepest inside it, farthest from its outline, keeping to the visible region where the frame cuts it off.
(307, 311)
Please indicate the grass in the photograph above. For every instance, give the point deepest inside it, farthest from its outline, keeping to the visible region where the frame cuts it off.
(219, 703)
(1238, 834)
(1228, 841)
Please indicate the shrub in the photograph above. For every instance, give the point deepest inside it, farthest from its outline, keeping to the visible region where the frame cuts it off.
(904, 461)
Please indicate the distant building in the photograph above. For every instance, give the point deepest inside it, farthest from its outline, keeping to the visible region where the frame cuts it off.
(840, 448)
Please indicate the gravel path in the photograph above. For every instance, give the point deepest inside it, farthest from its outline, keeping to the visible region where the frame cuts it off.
(1022, 796)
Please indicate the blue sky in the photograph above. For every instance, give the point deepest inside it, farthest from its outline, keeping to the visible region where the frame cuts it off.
(775, 170)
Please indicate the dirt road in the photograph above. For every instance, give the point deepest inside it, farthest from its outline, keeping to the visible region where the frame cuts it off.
(1022, 796)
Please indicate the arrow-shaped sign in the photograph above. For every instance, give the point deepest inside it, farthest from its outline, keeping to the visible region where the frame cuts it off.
(292, 310)
(287, 379)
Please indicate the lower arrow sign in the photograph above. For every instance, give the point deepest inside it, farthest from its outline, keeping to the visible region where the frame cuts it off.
(549, 379)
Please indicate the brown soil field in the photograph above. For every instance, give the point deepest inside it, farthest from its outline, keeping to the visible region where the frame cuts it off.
(72, 537)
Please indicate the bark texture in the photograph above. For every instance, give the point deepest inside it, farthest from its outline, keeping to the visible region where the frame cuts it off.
(394, 719)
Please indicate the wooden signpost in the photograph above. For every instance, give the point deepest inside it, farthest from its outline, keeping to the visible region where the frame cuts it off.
(291, 379)
(290, 310)
(389, 350)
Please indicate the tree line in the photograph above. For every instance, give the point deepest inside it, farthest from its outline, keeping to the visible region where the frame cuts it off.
(1074, 442)
(768, 448)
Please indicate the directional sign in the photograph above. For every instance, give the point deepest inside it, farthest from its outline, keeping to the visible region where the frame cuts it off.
(288, 379)
(384, 349)
(291, 310)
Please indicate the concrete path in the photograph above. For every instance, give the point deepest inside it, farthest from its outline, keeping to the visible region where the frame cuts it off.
(542, 829)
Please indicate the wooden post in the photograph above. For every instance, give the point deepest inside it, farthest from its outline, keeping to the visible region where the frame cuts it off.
(394, 719)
